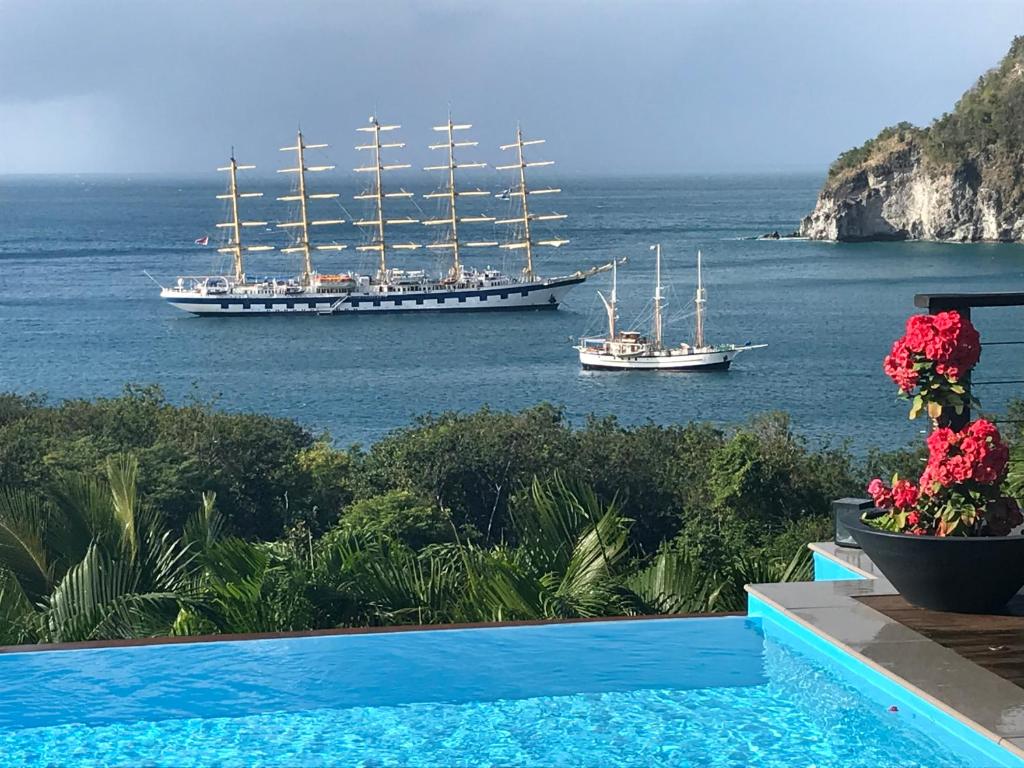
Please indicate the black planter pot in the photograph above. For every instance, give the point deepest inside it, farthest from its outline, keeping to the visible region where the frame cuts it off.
(962, 574)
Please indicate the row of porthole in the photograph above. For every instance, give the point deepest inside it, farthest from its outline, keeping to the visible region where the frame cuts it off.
(376, 302)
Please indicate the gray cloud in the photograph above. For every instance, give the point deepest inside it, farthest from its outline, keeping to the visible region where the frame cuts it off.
(615, 86)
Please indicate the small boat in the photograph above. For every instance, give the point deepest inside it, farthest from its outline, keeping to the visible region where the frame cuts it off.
(631, 350)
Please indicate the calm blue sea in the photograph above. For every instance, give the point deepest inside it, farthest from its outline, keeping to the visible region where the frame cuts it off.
(80, 318)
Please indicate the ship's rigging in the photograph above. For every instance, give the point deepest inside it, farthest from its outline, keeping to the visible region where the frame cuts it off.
(234, 245)
(378, 195)
(525, 239)
(452, 193)
(301, 243)
(387, 288)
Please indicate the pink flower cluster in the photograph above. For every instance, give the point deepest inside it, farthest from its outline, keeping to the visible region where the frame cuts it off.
(973, 460)
(946, 342)
(902, 495)
(975, 453)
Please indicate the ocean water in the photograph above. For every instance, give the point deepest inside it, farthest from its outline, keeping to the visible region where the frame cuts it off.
(695, 693)
(80, 318)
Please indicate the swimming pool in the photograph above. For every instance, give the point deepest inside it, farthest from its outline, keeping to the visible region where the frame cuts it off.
(728, 691)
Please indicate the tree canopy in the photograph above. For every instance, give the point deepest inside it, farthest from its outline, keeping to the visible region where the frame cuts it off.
(131, 516)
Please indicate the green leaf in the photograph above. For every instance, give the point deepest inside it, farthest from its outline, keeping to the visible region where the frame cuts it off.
(22, 551)
(916, 406)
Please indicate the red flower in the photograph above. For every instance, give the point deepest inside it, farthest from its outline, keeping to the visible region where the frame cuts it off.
(913, 519)
(982, 429)
(920, 331)
(947, 322)
(899, 366)
(946, 340)
(904, 494)
(880, 493)
(939, 441)
(960, 467)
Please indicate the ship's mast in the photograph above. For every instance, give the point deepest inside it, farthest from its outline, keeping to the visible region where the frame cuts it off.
(234, 246)
(453, 194)
(610, 304)
(378, 195)
(528, 242)
(700, 301)
(302, 244)
(657, 298)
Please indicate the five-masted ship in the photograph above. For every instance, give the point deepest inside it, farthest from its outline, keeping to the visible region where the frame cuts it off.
(632, 350)
(388, 289)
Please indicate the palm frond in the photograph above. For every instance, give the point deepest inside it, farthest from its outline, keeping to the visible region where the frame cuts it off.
(17, 615)
(122, 474)
(234, 578)
(503, 590)
(99, 598)
(205, 526)
(598, 549)
(757, 569)
(22, 549)
(675, 582)
(82, 513)
(568, 546)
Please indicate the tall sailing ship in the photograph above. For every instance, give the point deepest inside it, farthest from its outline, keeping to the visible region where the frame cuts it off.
(387, 289)
(631, 350)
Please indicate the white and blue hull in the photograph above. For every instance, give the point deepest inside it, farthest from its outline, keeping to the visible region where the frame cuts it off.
(542, 294)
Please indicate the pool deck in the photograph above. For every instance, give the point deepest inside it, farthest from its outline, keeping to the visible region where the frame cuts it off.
(993, 642)
(971, 667)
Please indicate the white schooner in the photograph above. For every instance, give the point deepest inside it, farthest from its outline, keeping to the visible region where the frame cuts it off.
(631, 350)
(388, 289)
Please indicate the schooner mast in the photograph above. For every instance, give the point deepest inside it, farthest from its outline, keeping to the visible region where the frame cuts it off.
(302, 243)
(611, 303)
(452, 193)
(378, 195)
(700, 300)
(528, 242)
(234, 246)
(657, 330)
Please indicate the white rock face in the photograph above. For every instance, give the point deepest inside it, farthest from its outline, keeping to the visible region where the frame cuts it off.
(897, 199)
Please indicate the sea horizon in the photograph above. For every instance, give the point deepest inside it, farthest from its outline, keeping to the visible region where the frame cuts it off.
(826, 310)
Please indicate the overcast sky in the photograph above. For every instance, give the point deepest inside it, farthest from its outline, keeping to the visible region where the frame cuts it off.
(615, 86)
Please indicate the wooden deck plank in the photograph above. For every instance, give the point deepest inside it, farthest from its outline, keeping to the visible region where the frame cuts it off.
(995, 642)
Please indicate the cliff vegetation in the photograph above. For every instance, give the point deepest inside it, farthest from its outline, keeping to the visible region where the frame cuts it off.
(958, 179)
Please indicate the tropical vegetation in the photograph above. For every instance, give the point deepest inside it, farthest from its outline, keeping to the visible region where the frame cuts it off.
(132, 517)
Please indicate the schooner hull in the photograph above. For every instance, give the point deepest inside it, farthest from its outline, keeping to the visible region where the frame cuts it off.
(516, 296)
(698, 361)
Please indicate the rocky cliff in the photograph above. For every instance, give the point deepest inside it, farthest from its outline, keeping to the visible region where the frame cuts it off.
(960, 179)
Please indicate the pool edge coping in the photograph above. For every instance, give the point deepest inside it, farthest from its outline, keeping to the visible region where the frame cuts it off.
(1011, 742)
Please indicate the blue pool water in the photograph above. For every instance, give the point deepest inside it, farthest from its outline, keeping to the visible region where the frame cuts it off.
(667, 692)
